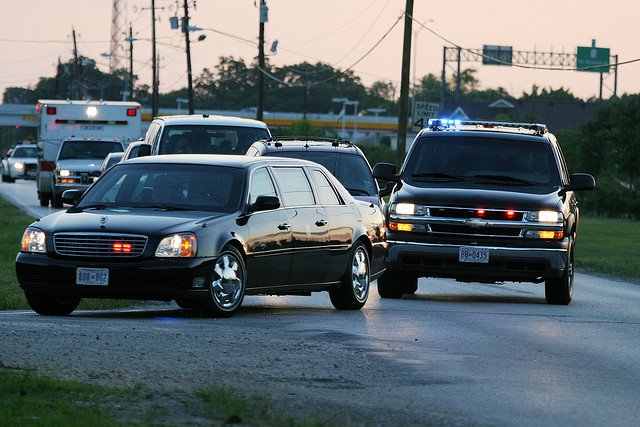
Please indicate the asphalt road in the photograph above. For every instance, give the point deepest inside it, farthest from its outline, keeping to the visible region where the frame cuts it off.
(452, 354)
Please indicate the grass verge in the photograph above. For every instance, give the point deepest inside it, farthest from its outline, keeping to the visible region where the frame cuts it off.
(609, 246)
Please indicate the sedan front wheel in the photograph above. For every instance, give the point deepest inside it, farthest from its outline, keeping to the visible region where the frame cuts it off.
(226, 290)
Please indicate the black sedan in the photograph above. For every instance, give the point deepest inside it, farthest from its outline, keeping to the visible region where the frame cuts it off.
(205, 231)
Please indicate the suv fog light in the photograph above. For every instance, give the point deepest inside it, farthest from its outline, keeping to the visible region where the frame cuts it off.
(403, 226)
(198, 282)
(544, 234)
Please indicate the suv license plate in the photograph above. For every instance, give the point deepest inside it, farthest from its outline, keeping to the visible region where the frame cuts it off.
(92, 276)
(471, 254)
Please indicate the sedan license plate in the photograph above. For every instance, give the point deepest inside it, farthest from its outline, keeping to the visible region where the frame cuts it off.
(471, 254)
(92, 276)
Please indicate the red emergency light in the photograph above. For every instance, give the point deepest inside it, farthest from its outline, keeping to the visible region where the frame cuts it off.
(132, 112)
(52, 111)
(120, 247)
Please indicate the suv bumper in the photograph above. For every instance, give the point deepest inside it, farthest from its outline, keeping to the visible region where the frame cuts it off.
(505, 263)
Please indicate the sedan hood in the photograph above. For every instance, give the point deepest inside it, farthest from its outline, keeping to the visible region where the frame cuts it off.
(133, 221)
(525, 198)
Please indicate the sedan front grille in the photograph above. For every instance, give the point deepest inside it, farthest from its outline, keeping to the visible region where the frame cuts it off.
(99, 244)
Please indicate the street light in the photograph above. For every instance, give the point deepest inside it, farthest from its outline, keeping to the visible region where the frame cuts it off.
(415, 60)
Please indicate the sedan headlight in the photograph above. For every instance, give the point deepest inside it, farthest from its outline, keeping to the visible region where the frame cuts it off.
(181, 245)
(544, 216)
(18, 166)
(33, 240)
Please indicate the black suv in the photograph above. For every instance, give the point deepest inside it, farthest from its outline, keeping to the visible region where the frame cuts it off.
(343, 159)
(482, 202)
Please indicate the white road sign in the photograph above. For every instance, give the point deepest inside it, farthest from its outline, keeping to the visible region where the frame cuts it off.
(422, 112)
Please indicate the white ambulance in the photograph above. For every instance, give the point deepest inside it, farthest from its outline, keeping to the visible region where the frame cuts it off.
(91, 128)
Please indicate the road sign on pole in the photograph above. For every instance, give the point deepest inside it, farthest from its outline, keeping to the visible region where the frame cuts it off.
(593, 59)
(422, 112)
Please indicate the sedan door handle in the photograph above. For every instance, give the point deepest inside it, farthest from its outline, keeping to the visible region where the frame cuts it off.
(284, 226)
(321, 222)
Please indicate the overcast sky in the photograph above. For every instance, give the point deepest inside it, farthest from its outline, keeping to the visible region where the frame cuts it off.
(34, 33)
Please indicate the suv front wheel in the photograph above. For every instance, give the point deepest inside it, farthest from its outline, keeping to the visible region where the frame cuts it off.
(395, 283)
(559, 290)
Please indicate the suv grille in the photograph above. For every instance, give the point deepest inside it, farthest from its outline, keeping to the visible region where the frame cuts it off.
(99, 244)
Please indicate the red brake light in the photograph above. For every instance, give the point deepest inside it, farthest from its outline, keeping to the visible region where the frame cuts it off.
(52, 111)
(131, 112)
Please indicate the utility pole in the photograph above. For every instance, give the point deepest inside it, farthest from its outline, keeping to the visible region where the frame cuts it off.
(154, 65)
(404, 85)
(185, 29)
(76, 65)
(263, 18)
(130, 88)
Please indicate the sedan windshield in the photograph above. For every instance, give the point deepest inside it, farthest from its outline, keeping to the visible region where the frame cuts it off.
(25, 152)
(484, 160)
(167, 187)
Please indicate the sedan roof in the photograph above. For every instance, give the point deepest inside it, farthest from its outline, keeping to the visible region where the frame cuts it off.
(218, 160)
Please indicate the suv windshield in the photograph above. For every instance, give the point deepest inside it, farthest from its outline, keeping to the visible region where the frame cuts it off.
(486, 160)
(209, 139)
(88, 149)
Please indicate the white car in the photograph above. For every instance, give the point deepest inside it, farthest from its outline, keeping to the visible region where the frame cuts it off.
(202, 134)
(20, 163)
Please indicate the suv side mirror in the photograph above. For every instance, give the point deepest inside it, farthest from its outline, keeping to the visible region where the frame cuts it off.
(385, 172)
(144, 150)
(387, 189)
(580, 182)
(265, 203)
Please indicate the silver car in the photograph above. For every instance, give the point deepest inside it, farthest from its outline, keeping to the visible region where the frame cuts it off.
(20, 163)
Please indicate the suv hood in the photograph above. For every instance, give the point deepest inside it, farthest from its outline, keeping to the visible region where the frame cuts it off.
(526, 198)
(80, 165)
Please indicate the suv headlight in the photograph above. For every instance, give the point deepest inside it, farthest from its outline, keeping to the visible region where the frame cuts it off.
(409, 209)
(33, 240)
(544, 216)
(181, 245)
(18, 166)
(64, 173)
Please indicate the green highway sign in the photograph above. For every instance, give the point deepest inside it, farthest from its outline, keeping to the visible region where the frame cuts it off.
(593, 59)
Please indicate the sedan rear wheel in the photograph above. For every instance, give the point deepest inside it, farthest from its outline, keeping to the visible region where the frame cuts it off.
(353, 292)
(226, 290)
(52, 305)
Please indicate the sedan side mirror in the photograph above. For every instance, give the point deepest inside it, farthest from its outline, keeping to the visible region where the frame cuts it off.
(581, 182)
(143, 151)
(265, 203)
(385, 172)
(71, 197)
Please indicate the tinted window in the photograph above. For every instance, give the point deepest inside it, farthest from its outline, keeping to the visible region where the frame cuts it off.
(206, 139)
(195, 187)
(326, 192)
(295, 187)
(355, 175)
(471, 158)
(88, 149)
(261, 185)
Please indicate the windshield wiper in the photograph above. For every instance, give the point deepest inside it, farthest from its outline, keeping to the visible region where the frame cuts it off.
(504, 178)
(357, 192)
(96, 206)
(165, 207)
(436, 176)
